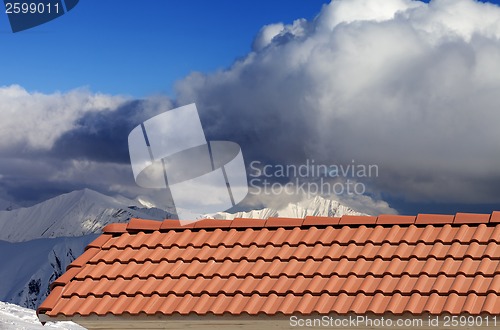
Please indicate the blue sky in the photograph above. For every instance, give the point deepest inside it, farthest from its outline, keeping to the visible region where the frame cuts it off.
(138, 48)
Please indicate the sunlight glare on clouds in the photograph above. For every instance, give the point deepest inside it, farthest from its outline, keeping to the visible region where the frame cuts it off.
(344, 12)
(266, 35)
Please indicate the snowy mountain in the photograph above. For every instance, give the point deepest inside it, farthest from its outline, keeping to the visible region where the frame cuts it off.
(13, 317)
(317, 206)
(41, 240)
(85, 212)
(77, 213)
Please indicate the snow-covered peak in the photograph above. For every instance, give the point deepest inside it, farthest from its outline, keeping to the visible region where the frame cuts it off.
(317, 206)
(6, 205)
(145, 202)
(92, 196)
(77, 213)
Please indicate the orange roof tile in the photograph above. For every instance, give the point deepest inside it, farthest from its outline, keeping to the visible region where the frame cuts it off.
(318, 221)
(357, 220)
(495, 217)
(247, 223)
(393, 219)
(284, 222)
(461, 218)
(397, 264)
(434, 219)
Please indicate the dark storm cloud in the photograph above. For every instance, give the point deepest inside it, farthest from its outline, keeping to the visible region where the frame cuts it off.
(103, 136)
(54, 143)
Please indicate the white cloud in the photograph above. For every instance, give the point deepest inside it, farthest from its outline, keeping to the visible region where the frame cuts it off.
(366, 204)
(343, 12)
(358, 202)
(460, 18)
(266, 35)
(34, 120)
(409, 86)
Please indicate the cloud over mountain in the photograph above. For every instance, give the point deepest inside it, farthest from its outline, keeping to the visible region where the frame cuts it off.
(55, 143)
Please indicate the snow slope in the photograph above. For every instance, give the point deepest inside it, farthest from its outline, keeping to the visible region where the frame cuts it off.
(13, 317)
(29, 267)
(317, 206)
(77, 213)
(38, 242)
(6, 205)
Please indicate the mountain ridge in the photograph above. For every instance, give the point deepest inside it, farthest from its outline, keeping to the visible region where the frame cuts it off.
(317, 206)
(77, 213)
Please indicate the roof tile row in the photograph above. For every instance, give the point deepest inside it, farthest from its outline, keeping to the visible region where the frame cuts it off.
(292, 268)
(310, 236)
(249, 285)
(301, 252)
(137, 225)
(395, 264)
(273, 304)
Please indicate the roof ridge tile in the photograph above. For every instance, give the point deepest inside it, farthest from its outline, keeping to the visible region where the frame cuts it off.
(495, 217)
(135, 225)
(248, 223)
(434, 219)
(284, 222)
(471, 218)
(311, 220)
(99, 241)
(65, 278)
(395, 219)
(115, 228)
(357, 220)
(84, 258)
(169, 224)
(51, 300)
(212, 223)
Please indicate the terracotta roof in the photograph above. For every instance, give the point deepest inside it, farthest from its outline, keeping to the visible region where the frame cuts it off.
(398, 264)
